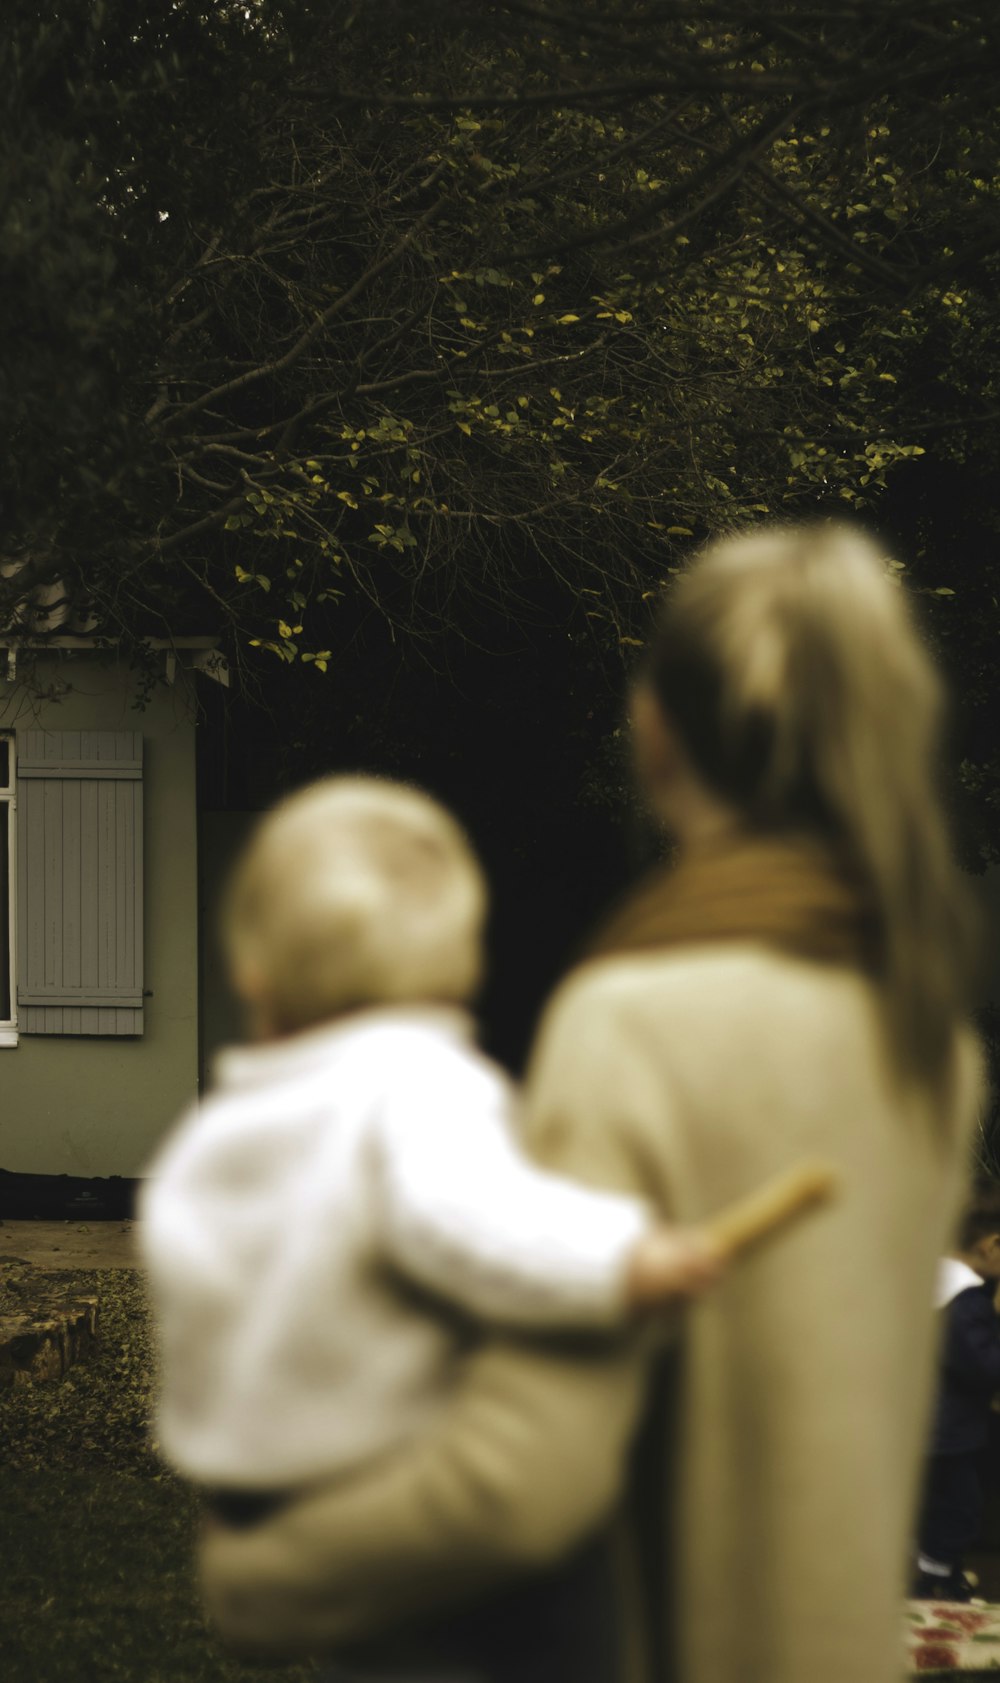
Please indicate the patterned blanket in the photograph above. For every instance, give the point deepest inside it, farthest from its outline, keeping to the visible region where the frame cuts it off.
(944, 1639)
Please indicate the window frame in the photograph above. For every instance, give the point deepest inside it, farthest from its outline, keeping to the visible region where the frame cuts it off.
(8, 816)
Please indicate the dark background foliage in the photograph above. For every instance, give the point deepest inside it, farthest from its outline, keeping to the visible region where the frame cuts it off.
(409, 350)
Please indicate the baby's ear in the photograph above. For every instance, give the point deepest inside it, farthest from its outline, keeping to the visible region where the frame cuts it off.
(260, 1019)
(247, 980)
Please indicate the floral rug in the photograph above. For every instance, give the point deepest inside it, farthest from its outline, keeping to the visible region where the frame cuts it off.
(943, 1638)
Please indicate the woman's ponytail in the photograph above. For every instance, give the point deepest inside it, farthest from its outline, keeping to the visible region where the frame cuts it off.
(789, 662)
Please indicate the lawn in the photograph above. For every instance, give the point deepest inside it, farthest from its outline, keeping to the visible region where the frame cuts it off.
(96, 1539)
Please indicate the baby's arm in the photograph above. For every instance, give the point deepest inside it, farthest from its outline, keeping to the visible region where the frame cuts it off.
(464, 1212)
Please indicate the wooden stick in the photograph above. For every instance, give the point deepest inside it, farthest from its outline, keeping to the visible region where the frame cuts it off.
(772, 1207)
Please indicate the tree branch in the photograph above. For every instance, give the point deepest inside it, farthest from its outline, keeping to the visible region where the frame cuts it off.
(732, 164)
(278, 365)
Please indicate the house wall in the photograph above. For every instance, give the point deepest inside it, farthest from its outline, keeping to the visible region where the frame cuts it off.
(97, 1106)
(221, 836)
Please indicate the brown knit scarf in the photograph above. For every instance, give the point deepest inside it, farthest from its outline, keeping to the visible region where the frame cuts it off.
(790, 892)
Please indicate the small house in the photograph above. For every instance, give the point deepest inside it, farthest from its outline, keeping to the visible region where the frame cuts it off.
(99, 941)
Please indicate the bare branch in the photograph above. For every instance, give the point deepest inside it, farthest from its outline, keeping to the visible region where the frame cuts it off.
(278, 365)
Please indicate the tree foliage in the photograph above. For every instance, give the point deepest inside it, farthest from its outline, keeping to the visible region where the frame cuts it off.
(463, 314)
(328, 304)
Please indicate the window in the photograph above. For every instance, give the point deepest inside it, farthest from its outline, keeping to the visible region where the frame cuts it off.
(7, 852)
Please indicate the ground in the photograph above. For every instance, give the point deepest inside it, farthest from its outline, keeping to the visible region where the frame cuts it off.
(96, 1538)
(70, 1244)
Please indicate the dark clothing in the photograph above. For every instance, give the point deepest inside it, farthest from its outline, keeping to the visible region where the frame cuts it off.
(952, 1514)
(240, 1509)
(651, 1490)
(954, 1501)
(970, 1373)
(559, 1627)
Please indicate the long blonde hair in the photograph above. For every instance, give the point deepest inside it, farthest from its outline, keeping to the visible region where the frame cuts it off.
(788, 660)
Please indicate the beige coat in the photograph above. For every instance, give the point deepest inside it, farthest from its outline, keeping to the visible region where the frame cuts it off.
(691, 1076)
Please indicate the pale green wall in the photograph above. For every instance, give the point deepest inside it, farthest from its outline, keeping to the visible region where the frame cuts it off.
(79, 1106)
(222, 835)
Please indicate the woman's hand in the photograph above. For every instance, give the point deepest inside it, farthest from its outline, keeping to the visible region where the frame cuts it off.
(670, 1263)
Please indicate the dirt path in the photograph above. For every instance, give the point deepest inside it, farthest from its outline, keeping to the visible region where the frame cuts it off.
(70, 1244)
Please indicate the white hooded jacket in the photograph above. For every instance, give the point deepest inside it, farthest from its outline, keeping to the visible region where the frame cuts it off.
(287, 1221)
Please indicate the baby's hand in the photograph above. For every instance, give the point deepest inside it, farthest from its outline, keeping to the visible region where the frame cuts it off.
(672, 1262)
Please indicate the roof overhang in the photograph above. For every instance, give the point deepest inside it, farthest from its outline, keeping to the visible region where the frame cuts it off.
(206, 656)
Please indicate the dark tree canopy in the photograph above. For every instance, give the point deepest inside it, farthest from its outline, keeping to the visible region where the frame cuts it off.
(462, 316)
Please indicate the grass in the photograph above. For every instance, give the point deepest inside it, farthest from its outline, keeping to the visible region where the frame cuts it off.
(96, 1539)
(97, 1577)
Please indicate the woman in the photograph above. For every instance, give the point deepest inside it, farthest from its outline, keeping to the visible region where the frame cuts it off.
(796, 986)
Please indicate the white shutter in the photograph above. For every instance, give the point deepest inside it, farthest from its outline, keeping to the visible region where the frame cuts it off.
(79, 882)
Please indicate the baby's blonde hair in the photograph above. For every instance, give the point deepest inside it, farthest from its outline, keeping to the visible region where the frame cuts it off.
(355, 891)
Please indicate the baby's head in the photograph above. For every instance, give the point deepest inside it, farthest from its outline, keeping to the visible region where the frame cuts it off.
(355, 891)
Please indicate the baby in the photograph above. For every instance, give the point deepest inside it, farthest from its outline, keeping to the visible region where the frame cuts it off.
(355, 1170)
